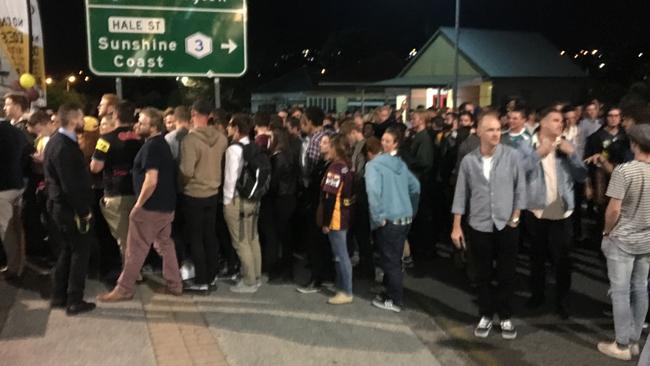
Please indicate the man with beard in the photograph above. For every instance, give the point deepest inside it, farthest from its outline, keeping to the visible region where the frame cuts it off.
(70, 199)
(150, 221)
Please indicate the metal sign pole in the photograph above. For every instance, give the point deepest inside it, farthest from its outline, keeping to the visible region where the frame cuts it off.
(217, 93)
(118, 88)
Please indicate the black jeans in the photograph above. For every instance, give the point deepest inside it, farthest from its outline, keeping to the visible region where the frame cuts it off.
(499, 245)
(69, 279)
(200, 216)
(319, 253)
(360, 231)
(550, 238)
(35, 236)
(390, 243)
(421, 237)
(275, 219)
(226, 250)
(576, 218)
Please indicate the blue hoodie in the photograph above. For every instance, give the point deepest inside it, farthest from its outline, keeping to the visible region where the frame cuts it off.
(393, 191)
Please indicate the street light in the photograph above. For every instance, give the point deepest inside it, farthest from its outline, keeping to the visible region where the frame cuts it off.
(70, 80)
(49, 81)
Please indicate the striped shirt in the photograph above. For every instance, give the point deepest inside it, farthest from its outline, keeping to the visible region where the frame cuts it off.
(313, 149)
(630, 182)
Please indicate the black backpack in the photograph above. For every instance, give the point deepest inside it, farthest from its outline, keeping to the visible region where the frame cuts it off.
(255, 178)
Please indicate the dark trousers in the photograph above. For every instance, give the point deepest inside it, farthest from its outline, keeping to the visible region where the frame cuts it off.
(69, 279)
(550, 239)
(32, 209)
(421, 238)
(200, 216)
(499, 245)
(226, 251)
(360, 231)
(274, 226)
(178, 233)
(390, 244)
(319, 255)
(576, 218)
(105, 257)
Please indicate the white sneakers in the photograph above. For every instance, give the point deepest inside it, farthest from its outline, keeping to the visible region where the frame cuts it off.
(483, 328)
(508, 330)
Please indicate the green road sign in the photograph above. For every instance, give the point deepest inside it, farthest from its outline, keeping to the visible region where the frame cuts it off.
(167, 37)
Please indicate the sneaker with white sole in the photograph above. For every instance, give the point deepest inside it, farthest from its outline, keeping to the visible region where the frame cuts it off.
(483, 328)
(386, 304)
(310, 288)
(508, 330)
(242, 288)
(263, 279)
(614, 351)
(193, 287)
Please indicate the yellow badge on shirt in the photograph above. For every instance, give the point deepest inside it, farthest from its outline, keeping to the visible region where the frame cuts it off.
(102, 145)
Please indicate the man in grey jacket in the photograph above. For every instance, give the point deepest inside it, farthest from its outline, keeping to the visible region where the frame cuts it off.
(492, 179)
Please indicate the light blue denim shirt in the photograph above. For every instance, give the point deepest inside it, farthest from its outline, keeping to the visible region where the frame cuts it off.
(71, 135)
(569, 169)
(491, 203)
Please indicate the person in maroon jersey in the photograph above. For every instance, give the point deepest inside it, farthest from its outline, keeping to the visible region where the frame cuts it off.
(336, 197)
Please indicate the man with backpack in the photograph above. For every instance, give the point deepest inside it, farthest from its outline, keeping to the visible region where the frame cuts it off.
(247, 177)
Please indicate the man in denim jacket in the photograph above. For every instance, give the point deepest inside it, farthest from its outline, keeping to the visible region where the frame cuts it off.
(552, 166)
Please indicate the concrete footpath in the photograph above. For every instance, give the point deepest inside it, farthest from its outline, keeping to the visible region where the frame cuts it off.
(276, 326)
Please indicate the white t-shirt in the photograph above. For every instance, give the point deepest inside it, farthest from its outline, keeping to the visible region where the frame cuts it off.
(487, 166)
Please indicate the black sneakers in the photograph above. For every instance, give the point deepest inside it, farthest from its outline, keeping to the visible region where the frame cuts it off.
(80, 307)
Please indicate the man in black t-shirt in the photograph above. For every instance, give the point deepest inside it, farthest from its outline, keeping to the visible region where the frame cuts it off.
(150, 221)
(114, 155)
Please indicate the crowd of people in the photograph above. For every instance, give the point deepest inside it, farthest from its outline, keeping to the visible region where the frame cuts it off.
(242, 196)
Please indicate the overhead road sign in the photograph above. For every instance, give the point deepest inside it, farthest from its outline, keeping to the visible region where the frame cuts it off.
(204, 38)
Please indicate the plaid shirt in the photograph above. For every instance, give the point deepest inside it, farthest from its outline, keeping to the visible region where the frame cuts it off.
(313, 149)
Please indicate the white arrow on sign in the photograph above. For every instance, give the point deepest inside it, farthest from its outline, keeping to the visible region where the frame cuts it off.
(230, 46)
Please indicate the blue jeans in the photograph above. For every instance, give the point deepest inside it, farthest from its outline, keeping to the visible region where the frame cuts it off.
(628, 279)
(339, 244)
(390, 243)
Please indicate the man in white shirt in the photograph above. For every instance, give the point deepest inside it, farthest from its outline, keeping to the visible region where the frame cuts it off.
(552, 168)
(239, 212)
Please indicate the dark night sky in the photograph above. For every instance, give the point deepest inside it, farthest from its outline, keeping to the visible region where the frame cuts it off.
(364, 29)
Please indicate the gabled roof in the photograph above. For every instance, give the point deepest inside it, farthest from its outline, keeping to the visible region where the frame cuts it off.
(506, 54)
(421, 81)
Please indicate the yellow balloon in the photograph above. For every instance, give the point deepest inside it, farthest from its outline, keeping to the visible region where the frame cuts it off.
(27, 80)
